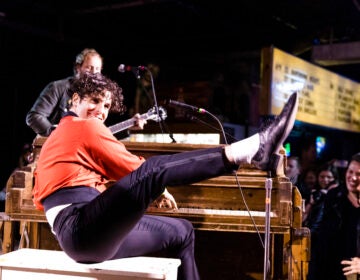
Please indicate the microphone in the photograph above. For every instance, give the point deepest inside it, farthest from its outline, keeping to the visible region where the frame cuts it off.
(135, 69)
(201, 111)
(187, 106)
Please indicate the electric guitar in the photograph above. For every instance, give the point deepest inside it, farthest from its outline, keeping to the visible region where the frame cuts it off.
(150, 115)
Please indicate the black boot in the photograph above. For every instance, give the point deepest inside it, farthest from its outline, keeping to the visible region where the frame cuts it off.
(272, 137)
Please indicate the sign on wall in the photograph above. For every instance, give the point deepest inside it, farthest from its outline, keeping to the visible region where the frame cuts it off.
(325, 98)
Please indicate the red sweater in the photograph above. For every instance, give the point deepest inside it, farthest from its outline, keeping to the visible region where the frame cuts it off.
(81, 152)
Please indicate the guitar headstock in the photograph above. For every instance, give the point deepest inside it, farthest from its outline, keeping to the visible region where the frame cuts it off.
(153, 115)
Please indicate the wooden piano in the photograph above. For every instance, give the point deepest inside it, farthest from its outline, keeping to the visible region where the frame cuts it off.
(228, 213)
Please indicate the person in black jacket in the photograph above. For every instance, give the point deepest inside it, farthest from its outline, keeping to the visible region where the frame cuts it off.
(339, 228)
(51, 104)
(327, 178)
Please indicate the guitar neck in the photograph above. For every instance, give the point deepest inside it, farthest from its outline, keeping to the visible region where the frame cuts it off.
(126, 124)
(121, 126)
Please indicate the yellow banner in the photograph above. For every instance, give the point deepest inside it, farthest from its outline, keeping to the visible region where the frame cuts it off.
(325, 98)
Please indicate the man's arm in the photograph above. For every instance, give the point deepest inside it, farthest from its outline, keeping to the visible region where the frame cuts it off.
(48, 108)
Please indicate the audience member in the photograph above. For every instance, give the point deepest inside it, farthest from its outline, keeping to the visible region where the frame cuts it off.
(339, 229)
(327, 178)
(293, 169)
(293, 172)
(309, 178)
(26, 156)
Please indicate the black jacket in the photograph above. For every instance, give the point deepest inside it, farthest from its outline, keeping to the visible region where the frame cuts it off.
(338, 236)
(49, 107)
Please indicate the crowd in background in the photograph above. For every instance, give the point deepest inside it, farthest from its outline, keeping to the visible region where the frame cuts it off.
(331, 195)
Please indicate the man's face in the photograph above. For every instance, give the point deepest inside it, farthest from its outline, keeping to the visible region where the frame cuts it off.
(92, 106)
(353, 177)
(92, 64)
(292, 168)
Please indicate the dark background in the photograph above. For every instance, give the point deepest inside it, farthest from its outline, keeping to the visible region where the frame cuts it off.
(191, 41)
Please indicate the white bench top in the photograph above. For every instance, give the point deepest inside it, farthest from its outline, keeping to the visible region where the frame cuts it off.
(58, 263)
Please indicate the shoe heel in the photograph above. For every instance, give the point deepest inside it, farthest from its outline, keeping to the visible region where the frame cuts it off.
(277, 164)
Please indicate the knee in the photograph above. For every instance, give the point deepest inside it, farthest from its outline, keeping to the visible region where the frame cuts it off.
(187, 230)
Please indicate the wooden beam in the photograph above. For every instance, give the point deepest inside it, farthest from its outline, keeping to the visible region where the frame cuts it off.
(336, 54)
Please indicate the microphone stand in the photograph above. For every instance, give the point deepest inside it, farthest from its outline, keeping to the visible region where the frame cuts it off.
(268, 188)
(153, 90)
(155, 102)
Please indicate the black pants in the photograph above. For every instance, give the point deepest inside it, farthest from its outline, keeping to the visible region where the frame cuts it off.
(113, 224)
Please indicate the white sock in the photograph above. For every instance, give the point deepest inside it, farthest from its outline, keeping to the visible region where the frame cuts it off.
(244, 150)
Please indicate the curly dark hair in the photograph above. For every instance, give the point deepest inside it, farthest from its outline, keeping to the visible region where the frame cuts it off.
(88, 84)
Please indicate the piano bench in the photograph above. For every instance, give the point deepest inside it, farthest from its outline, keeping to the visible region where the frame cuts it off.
(36, 264)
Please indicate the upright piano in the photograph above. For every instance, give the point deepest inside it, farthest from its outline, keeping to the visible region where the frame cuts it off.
(232, 214)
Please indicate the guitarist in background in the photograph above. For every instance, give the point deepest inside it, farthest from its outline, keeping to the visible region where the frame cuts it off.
(51, 104)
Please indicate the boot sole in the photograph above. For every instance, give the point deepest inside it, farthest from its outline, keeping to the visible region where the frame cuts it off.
(276, 160)
(290, 122)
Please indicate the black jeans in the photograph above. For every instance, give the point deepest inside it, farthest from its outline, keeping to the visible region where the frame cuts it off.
(113, 224)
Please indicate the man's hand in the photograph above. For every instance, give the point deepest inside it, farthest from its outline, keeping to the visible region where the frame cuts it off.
(166, 200)
(138, 122)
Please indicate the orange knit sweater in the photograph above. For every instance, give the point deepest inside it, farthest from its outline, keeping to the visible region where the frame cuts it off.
(81, 152)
